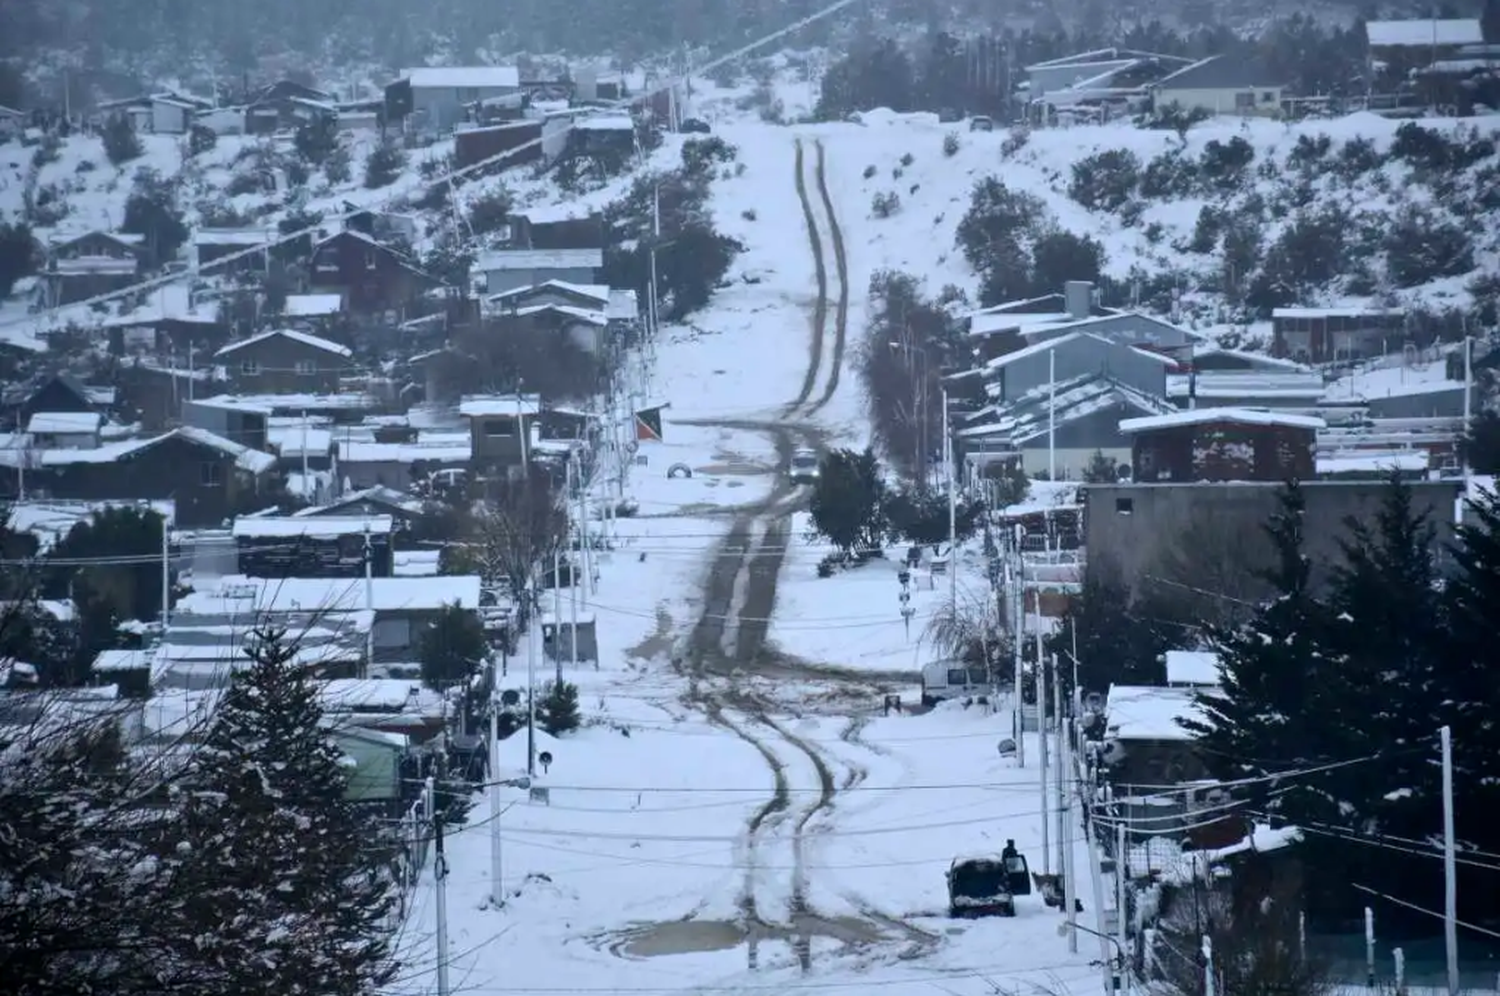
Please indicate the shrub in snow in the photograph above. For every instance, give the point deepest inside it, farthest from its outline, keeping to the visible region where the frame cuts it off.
(701, 155)
(1357, 157)
(1060, 256)
(222, 214)
(383, 166)
(1421, 248)
(557, 710)
(338, 167)
(201, 140)
(48, 150)
(848, 501)
(1206, 232)
(1310, 251)
(1223, 164)
(245, 182)
(1173, 117)
(1310, 153)
(151, 212)
(950, 144)
(1169, 175)
(490, 212)
(1015, 141)
(17, 254)
(121, 144)
(85, 166)
(315, 140)
(748, 214)
(907, 159)
(885, 204)
(1105, 181)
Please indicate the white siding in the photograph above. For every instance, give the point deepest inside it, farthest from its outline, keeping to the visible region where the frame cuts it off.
(1223, 101)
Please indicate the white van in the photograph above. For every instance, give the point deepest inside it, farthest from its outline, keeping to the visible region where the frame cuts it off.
(950, 679)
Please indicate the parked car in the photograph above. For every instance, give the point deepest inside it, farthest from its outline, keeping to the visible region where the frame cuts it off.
(804, 468)
(979, 886)
(981, 122)
(947, 679)
(695, 126)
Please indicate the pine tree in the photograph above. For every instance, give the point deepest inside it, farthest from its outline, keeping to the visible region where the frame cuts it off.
(1269, 717)
(1472, 595)
(288, 869)
(1388, 629)
(557, 710)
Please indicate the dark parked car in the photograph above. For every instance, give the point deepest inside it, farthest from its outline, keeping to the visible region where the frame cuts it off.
(694, 126)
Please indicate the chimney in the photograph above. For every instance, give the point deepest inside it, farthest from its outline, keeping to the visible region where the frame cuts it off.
(1078, 298)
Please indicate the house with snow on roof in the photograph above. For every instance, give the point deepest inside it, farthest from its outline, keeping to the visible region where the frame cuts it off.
(285, 361)
(1327, 335)
(371, 277)
(1110, 77)
(587, 315)
(231, 250)
(1222, 84)
(327, 546)
(433, 98)
(206, 476)
(511, 269)
(89, 264)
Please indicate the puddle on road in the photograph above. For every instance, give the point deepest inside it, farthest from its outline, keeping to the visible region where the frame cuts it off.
(680, 937)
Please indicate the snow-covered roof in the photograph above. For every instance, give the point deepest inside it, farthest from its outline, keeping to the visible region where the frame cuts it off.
(312, 305)
(611, 122)
(404, 453)
(1149, 712)
(1192, 667)
(245, 458)
(122, 660)
(527, 405)
(387, 694)
(1209, 416)
(551, 214)
(462, 77)
(589, 315)
(294, 441)
(233, 237)
(416, 563)
(64, 423)
(540, 259)
(1204, 350)
(1000, 362)
(596, 292)
(240, 595)
(623, 305)
(266, 404)
(313, 341)
(312, 527)
(376, 493)
(1233, 384)
(988, 323)
(1334, 313)
(1424, 33)
(95, 264)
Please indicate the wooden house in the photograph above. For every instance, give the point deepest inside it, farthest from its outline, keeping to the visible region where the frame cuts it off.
(89, 265)
(500, 430)
(1323, 335)
(370, 276)
(207, 476)
(434, 98)
(509, 269)
(285, 361)
(1222, 444)
(230, 250)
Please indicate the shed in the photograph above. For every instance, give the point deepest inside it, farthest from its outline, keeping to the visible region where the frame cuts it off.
(376, 754)
(1222, 444)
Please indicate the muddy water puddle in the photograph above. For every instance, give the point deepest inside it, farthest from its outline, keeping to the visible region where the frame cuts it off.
(680, 937)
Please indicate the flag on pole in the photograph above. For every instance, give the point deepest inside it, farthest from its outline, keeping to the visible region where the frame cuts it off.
(648, 424)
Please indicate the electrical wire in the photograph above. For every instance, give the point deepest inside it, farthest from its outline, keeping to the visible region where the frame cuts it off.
(1352, 838)
(422, 185)
(1421, 909)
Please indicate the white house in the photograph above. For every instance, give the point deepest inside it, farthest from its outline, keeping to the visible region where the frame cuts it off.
(434, 97)
(1222, 84)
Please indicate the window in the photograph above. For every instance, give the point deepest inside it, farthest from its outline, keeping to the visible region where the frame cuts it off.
(956, 676)
(1268, 97)
(1124, 506)
(211, 475)
(307, 367)
(499, 428)
(369, 259)
(249, 368)
(1244, 101)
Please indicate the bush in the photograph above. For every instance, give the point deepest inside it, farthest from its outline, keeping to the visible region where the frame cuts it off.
(1060, 256)
(1357, 157)
(748, 214)
(121, 144)
(491, 212)
(1173, 117)
(557, 710)
(1015, 141)
(17, 254)
(85, 166)
(201, 140)
(49, 150)
(315, 140)
(1310, 152)
(338, 167)
(700, 155)
(1106, 180)
(950, 144)
(1208, 229)
(885, 204)
(383, 166)
(1223, 164)
(1311, 251)
(870, 172)
(907, 159)
(998, 219)
(1168, 176)
(1420, 249)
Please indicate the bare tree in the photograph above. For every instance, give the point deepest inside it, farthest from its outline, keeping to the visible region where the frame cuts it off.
(518, 529)
(966, 630)
(1254, 945)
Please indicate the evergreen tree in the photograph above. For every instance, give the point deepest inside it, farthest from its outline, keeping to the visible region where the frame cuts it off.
(288, 869)
(1115, 645)
(1388, 630)
(1270, 713)
(1472, 595)
(848, 501)
(452, 648)
(557, 710)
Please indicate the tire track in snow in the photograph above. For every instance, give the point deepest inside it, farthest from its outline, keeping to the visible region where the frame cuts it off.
(841, 267)
(820, 269)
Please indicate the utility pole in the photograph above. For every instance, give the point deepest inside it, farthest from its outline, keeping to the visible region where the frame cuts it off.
(952, 509)
(1208, 965)
(1468, 399)
(557, 608)
(1057, 700)
(369, 597)
(497, 886)
(531, 682)
(166, 578)
(439, 878)
(1041, 739)
(1065, 811)
(1018, 634)
(1122, 889)
(304, 448)
(573, 588)
(1052, 414)
(1450, 869)
(655, 238)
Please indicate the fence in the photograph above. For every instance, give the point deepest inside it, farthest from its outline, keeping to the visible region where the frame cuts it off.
(416, 842)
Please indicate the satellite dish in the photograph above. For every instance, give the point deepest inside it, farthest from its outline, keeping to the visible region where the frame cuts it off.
(510, 697)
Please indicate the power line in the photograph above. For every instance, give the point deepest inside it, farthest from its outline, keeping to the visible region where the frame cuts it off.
(422, 185)
(1354, 838)
(1421, 909)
